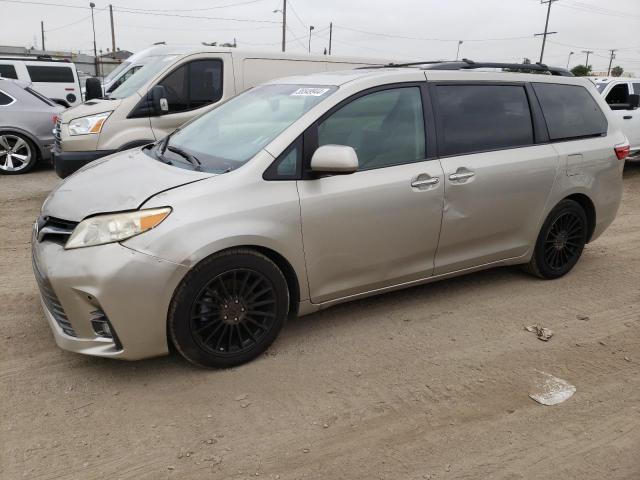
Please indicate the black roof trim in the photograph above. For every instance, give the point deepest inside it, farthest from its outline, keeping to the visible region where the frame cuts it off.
(466, 64)
(39, 58)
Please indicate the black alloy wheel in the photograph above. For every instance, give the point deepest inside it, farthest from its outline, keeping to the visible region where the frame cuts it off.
(560, 242)
(228, 309)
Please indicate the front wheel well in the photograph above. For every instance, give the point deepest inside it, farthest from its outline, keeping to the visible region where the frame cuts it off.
(589, 209)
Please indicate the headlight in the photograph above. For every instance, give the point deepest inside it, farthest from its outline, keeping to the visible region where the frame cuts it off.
(86, 125)
(115, 227)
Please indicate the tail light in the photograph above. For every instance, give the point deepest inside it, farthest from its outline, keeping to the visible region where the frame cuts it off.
(622, 151)
(54, 119)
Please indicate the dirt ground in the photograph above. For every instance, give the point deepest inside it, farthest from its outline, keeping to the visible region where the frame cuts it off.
(431, 382)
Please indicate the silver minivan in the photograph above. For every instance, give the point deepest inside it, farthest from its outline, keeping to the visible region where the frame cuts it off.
(309, 191)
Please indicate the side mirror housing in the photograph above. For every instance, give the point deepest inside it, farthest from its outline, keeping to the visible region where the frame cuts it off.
(336, 159)
(93, 88)
(634, 101)
(159, 102)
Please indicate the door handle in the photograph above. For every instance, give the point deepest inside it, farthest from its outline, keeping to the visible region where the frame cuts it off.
(461, 175)
(422, 182)
(627, 117)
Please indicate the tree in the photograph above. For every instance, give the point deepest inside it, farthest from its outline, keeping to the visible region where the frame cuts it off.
(617, 71)
(581, 70)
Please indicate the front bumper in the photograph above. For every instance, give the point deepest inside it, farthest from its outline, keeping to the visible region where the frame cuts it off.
(66, 163)
(132, 289)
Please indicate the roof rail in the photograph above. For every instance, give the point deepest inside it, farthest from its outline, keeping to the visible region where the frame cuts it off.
(466, 64)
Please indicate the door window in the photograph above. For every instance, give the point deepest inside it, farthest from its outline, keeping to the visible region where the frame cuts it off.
(570, 111)
(5, 99)
(49, 74)
(124, 78)
(384, 128)
(476, 118)
(194, 85)
(636, 88)
(618, 94)
(8, 71)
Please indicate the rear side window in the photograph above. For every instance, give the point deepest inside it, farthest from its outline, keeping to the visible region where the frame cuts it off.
(476, 118)
(50, 74)
(570, 111)
(5, 99)
(636, 88)
(8, 71)
(194, 85)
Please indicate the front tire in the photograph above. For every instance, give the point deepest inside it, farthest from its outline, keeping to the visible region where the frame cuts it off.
(18, 154)
(560, 242)
(228, 309)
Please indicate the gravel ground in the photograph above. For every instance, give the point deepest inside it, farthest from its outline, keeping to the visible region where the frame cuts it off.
(430, 382)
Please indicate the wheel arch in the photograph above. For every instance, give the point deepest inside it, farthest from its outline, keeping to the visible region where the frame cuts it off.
(36, 143)
(589, 209)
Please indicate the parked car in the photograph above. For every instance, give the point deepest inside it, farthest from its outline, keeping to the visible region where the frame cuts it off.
(623, 97)
(55, 79)
(319, 189)
(175, 85)
(26, 123)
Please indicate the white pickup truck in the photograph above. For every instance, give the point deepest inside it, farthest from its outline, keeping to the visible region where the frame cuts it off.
(622, 96)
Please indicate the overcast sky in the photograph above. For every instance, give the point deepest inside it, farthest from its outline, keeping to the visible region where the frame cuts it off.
(498, 30)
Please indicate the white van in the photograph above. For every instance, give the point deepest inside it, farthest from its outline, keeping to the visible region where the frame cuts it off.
(55, 79)
(621, 94)
(169, 90)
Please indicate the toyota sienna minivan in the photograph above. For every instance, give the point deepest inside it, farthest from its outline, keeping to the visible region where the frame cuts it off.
(313, 190)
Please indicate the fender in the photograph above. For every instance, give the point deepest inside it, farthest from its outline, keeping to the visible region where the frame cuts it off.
(41, 152)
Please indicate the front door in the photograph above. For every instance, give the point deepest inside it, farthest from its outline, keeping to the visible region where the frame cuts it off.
(191, 88)
(380, 225)
(496, 179)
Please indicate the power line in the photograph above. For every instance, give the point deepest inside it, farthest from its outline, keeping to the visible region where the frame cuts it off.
(407, 37)
(68, 24)
(248, 2)
(296, 15)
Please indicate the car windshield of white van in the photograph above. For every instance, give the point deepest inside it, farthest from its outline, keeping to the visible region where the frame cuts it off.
(116, 72)
(231, 134)
(142, 76)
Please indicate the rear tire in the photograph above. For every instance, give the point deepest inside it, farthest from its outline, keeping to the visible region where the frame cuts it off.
(228, 309)
(560, 242)
(18, 154)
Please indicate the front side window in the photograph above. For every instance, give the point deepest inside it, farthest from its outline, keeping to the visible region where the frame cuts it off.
(50, 74)
(570, 111)
(5, 99)
(8, 71)
(123, 78)
(148, 71)
(618, 94)
(477, 118)
(636, 88)
(384, 128)
(234, 132)
(194, 85)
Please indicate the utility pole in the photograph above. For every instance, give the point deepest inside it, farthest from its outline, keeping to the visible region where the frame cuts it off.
(460, 42)
(284, 24)
(113, 33)
(311, 27)
(546, 28)
(42, 32)
(586, 63)
(95, 49)
(613, 55)
(330, 35)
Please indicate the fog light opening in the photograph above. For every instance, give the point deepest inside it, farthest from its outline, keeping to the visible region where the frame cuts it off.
(103, 328)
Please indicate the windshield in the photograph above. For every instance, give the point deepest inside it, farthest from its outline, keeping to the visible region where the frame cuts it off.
(228, 136)
(142, 76)
(115, 72)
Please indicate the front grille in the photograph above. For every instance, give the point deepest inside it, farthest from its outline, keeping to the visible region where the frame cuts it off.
(55, 229)
(51, 301)
(57, 135)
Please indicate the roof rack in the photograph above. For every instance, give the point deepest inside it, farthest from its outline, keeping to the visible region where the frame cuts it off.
(39, 58)
(466, 64)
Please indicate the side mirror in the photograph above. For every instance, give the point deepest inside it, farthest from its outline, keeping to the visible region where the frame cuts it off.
(159, 100)
(93, 88)
(634, 101)
(334, 159)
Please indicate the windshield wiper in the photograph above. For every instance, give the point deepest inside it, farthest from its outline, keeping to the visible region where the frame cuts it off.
(187, 156)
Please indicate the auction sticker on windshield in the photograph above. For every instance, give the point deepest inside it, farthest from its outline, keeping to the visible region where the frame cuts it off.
(310, 92)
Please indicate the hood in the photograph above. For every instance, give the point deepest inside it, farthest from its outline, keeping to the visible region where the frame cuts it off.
(90, 107)
(119, 182)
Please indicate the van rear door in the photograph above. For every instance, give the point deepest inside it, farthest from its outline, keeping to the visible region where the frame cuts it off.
(192, 87)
